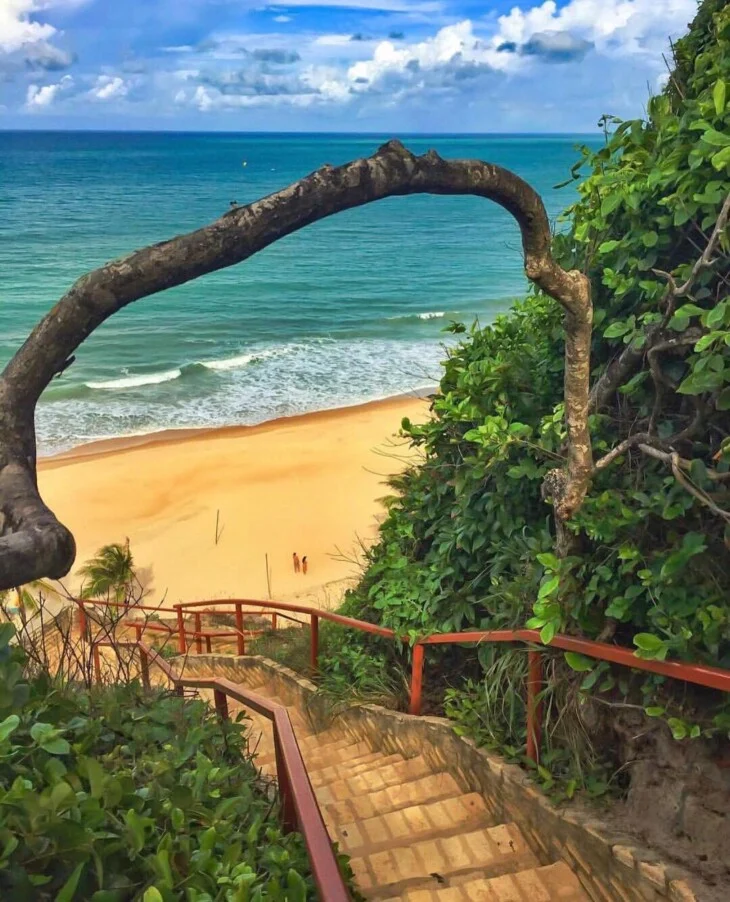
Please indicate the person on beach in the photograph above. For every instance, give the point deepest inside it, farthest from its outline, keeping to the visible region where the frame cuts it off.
(295, 560)
(304, 565)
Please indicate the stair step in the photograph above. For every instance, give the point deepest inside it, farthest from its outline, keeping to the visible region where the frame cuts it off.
(318, 756)
(345, 769)
(489, 852)
(552, 883)
(462, 814)
(373, 780)
(353, 753)
(321, 755)
(403, 795)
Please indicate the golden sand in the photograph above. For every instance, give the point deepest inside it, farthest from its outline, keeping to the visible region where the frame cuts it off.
(308, 484)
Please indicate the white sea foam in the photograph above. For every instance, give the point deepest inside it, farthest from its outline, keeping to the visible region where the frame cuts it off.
(234, 363)
(429, 314)
(137, 381)
(292, 378)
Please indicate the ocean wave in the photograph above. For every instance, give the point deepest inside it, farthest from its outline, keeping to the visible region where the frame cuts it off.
(136, 381)
(429, 314)
(291, 378)
(189, 369)
(234, 363)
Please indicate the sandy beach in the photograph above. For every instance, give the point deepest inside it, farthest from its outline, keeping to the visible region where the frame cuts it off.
(309, 484)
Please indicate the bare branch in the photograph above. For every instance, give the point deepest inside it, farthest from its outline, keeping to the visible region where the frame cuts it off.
(621, 449)
(34, 543)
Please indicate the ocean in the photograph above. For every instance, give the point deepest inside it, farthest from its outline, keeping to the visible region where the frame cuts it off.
(348, 310)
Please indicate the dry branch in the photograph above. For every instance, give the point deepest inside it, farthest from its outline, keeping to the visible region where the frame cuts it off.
(34, 543)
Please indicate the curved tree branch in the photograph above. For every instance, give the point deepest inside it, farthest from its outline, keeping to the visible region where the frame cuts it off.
(34, 544)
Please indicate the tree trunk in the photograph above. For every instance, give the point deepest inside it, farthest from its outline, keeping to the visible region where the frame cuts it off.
(34, 544)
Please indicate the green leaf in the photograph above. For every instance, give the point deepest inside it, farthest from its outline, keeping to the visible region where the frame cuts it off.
(718, 96)
(650, 239)
(548, 560)
(68, 890)
(547, 633)
(687, 310)
(717, 139)
(547, 588)
(647, 641)
(608, 246)
(678, 728)
(8, 725)
(95, 775)
(616, 330)
(721, 159)
(135, 824)
(723, 399)
(57, 745)
(654, 711)
(610, 202)
(7, 631)
(577, 662)
(296, 887)
(716, 316)
(152, 894)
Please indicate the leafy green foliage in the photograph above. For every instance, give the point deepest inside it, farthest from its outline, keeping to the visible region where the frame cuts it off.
(118, 795)
(468, 541)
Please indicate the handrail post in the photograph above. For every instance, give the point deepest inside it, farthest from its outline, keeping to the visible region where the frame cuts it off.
(97, 662)
(416, 679)
(208, 646)
(144, 661)
(181, 645)
(534, 707)
(144, 666)
(239, 629)
(288, 811)
(82, 620)
(314, 643)
(221, 704)
(198, 634)
(273, 620)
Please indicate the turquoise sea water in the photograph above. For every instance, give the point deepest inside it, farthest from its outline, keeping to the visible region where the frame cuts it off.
(346, 310)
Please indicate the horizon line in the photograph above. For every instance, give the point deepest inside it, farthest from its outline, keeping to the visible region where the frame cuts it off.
(352, 134)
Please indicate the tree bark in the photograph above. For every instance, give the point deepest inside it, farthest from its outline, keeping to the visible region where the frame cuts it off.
(34, 544)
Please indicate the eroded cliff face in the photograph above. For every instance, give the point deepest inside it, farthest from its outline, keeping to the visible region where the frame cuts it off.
(678, 800)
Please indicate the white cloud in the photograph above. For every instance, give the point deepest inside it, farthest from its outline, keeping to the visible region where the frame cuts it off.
(108, 87)
(612, 25)
(282, 18)
(40, 97)
(391, 6)
(17, 28)
(332, 40)
(452, 48)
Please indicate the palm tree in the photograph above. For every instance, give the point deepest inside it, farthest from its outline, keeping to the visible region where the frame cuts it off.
(110, 573)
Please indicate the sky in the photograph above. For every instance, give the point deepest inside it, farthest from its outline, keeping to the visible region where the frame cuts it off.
(332, 65)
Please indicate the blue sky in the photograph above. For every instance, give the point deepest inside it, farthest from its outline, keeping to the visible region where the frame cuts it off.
(335, 65)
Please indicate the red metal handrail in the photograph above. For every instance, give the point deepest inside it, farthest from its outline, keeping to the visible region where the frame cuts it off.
(300, 810)
(699, 674)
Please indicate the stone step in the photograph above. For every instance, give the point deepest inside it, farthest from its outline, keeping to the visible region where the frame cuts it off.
(457, 814)
(489, 852)
(345, 769)
(403, 795)
(318, 758)
(551, 883)
(371, 781)
(323, 755)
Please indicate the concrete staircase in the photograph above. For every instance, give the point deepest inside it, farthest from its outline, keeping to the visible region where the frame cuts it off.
(412, 834)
